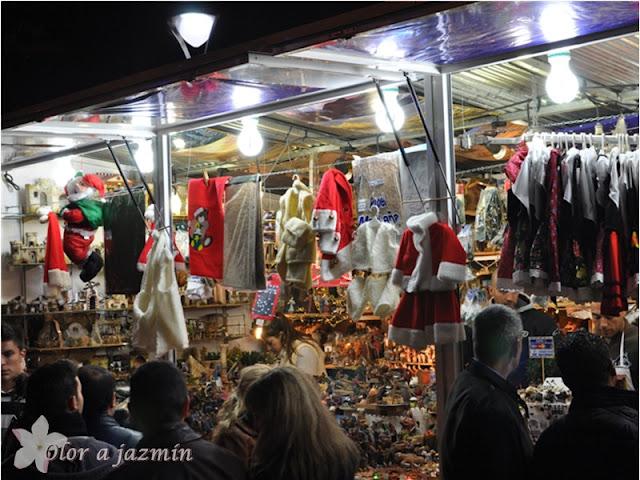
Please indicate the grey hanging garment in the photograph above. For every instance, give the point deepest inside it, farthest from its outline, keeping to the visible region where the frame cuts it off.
(243, 244)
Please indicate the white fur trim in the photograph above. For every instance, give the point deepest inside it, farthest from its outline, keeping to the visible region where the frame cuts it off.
(333, 269)
(421, 276)
(75, 197)
(141, 266)
(448, 333)
(324, 220)
(59, 278)
(150, 213)
(86, 234)
(452, 272)
(388, 301)
(597, 279)
(398, 278)
(355, 298)
(407, 336)
(329, 243)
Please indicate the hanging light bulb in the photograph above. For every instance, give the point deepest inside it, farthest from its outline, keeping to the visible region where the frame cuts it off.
(144, 157)
(179, 143)
(176, 203)
(562, 84)
(395, 110)
(250, 141)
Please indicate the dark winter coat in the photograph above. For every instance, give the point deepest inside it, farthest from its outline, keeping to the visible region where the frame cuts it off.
(208, 461)
(597, 439)
(106, 428)
(89, 467)
(485, 435)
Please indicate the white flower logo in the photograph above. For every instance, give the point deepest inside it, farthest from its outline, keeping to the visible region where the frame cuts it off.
(35, 445)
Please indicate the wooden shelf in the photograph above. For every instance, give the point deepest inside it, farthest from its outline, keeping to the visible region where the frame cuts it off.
(20, 216)
(66, 349)
(214, 305)
(65, 312)
(31, 264)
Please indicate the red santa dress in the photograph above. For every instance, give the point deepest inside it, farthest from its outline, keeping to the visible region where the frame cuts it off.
(333, 223)
(429, 264)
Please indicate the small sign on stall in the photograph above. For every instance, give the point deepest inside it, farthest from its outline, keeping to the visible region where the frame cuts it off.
(541, 347)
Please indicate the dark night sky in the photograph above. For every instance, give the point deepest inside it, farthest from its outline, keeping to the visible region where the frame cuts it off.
(51, 49)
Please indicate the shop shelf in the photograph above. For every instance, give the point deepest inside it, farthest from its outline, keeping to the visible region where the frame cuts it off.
(214, 305)
(66, 349)
(65, 312)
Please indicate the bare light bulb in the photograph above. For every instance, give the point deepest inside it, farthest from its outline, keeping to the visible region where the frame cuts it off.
(144, 157)
(176, 203)
(395, 110)
(562, 85)
(250, 141)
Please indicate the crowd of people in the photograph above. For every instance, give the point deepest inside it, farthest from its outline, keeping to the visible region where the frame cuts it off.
(275, 425)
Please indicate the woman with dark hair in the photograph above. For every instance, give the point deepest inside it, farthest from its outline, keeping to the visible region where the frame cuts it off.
(294, 348)
(298, 439)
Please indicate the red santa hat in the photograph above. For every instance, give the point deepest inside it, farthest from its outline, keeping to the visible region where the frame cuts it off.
(177, 256)
(89, 179)
(94, 182)
(56, 273)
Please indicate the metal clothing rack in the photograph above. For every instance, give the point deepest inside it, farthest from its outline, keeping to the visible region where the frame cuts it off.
(560, 138)
(487, 168)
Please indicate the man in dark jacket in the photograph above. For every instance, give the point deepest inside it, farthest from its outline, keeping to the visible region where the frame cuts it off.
(602, 421)
(485, 434)
(611, 327)
(159, 404)
(98, 388)
(53, 409)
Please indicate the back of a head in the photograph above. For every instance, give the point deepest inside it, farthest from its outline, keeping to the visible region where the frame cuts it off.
(49, 389)
(158, 395)
(583, 360)
(98, 387)
(496, 331)
(297, 436)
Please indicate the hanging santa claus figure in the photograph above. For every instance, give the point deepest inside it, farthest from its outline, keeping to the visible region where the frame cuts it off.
(83, 215)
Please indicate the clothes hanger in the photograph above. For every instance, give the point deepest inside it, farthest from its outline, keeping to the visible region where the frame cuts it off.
(205, 176)
(375, 211)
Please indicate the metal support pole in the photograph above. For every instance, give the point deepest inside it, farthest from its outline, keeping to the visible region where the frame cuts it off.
(439, 114)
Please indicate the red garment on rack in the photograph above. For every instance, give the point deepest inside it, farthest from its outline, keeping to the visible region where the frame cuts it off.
(614, 299)
(206, 226)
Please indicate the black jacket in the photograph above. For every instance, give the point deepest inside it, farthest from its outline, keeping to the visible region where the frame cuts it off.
(106, 428)
(597, 439)
(485, 435)
(89, 467)
(208, 461)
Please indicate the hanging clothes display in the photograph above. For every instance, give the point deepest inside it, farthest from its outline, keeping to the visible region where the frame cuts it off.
(429, 265)
(150, 215)
(206, 226)
(56, 274)
(572, 215)
(295, 237)
(376, 181)
(160, 324)
(333, 223)
(373, 255)
(124, 232)
(243, 241)
(490, 216)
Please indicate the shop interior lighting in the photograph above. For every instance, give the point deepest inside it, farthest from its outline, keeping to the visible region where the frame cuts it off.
(62, 171)
(144, 157)
(556, 22)
(250, 141)
(395, 110)
(388, 49)
(194, 28)
(562, 85)
(244, 96)
(178, 143)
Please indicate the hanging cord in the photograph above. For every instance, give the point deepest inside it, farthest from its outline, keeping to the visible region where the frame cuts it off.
(412, 91)
(395, 134)
(126, 184)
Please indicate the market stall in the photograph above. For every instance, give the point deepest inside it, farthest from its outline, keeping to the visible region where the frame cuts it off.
(377, 215)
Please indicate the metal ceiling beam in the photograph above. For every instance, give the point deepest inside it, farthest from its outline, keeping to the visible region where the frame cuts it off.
(367, 60)
(79, 150)
(270, 107)
(342, 68)
(105, 131)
